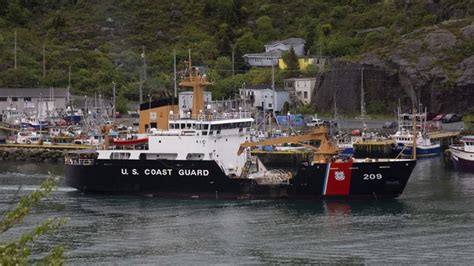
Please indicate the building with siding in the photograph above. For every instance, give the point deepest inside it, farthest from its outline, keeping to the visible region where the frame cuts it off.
(273, 52)
(300, 89)
(33, 99)
(261, 97)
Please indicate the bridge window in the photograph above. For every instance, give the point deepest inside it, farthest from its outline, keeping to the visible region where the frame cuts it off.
(119, 155)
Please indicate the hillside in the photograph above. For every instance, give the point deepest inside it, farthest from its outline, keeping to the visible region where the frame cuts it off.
(102, 41)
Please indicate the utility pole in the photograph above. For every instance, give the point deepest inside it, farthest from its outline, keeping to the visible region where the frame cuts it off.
(144, 63)
(69, 86)
(39, 114)
(140, 88)
(113, 91)
(15, 48)
(174, 69)
(233, 61)
(362, 100)
(273, 85)
(44, 61)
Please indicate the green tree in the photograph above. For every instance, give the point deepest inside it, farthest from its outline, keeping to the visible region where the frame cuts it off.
(265, 31)
(223, 67)
(17, 14)
(291, 61)
(306, 109)
(247, 43)
(17, 251)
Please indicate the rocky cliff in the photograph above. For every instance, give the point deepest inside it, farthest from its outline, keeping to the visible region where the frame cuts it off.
(432, 65)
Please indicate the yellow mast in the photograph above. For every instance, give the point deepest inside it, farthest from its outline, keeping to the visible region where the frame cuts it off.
(198, 83)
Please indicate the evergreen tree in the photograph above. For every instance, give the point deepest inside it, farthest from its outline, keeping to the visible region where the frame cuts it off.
(292, 67)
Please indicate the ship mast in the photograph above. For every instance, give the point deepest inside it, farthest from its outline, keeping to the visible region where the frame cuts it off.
(414, 133)
(198, 83)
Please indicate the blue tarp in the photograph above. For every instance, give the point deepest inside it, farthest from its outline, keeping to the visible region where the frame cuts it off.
(295, 120)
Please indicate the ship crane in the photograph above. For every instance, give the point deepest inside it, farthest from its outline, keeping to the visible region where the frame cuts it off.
(325, 152)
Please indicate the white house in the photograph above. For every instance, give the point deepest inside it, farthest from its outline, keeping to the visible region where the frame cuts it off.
(301, 89)
(263, 59)
(296, 43)
(262, 97)
(273, 52)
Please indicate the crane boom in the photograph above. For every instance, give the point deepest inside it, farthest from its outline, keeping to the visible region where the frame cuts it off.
(325, 150)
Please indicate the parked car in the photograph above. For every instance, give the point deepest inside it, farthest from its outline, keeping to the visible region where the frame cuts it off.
(438, 117)
(450, 118)
(315, 122)
(390, 125)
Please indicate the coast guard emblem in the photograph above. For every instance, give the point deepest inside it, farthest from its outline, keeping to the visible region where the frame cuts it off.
(339, 175)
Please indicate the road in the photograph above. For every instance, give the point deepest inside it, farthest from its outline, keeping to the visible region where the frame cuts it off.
(377, 124)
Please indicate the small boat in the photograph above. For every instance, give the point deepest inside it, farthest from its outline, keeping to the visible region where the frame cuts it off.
(27, 137)
(424, 146)
(403, 138)
(462, 155)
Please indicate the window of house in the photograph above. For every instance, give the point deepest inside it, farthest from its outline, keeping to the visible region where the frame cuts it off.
(305, 94)
(14, 99)
(27, 99)
(3, 99)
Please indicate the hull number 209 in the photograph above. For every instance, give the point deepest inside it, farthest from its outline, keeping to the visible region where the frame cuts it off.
(372, 176)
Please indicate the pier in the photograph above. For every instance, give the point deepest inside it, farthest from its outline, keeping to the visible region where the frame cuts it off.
(445, 138)
(37, 153)
(375, 149)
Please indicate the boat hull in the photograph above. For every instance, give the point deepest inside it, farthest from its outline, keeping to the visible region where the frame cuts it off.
(421, 151)
(462, 160)
(205, 179)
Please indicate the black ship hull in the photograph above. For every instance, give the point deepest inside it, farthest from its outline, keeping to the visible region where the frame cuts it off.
(205, 179)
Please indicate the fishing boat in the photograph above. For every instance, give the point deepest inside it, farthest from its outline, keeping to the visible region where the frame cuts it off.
(462, 155)
(404, 137)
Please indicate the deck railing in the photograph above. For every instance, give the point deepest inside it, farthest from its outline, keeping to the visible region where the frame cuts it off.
(78, 161)
(211, 116)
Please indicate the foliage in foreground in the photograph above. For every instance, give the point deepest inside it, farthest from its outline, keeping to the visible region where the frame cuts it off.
(17, 251)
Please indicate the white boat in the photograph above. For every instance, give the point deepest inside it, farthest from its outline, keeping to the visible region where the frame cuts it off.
(403, 138)
(462, 155)
(27, 137)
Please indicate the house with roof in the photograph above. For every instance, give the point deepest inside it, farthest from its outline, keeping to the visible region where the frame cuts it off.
(285, 45)
(33, 99)
(300, 89)
(273, 52)
(262, 97)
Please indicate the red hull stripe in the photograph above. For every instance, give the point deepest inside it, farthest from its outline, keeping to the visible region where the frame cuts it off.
(130, 141)
(338, 179)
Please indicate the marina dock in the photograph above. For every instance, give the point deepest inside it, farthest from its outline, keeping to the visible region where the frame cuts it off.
(37, 153)
(375, 149)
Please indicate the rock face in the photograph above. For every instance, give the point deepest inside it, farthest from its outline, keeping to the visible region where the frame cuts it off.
(426, 66)
(468, 32)
(343, 83)
(440, 40)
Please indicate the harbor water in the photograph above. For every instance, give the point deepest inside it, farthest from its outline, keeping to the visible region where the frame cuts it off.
(432, 222)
